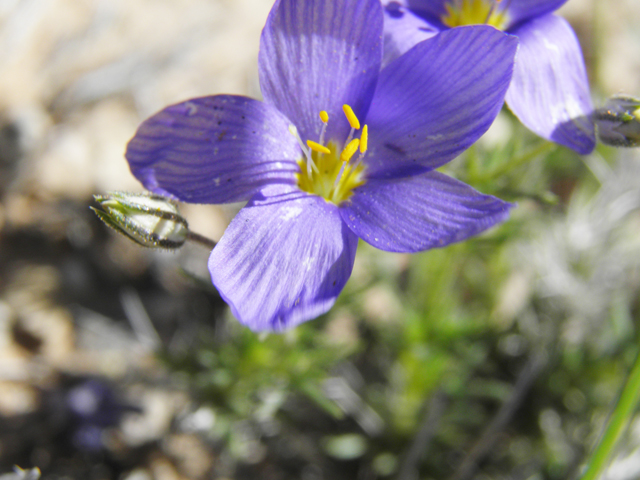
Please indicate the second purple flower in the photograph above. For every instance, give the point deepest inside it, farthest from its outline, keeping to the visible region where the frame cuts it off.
(549, 92)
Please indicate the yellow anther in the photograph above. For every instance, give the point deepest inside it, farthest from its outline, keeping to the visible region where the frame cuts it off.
(317, 147)
(349, 150)
(364, 139)
(351, 117)
(324, 116)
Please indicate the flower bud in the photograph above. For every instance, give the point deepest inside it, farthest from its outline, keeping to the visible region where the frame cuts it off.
(619, 122)
(147, 219)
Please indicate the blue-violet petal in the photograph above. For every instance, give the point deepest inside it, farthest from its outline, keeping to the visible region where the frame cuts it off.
(284, 259)
(420, 212)
(213, 150)
(549, 92)
(404, 28)
(318, 55)
(523, 10)
(437, 99)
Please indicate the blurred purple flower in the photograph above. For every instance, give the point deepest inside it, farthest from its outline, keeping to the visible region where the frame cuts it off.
(94, 407)
(289, 252)
(549, 91)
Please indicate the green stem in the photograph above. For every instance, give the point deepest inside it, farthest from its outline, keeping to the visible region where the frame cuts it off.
(542, 148)
(618, 422)
(474, 161)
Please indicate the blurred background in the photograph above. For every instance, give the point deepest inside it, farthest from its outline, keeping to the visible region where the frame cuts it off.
(498, 358)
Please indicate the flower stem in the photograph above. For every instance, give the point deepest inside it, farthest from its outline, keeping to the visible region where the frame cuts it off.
(542, 148)
(202, 240)
(624, 410)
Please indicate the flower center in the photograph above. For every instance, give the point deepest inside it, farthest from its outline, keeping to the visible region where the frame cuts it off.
(333, 170)
(475, 12)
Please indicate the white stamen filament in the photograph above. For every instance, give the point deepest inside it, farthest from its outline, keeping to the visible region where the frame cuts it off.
(358, 160)
(350, 137)
(354, 165)
(322, 133)
(307, 151)
(339, 177)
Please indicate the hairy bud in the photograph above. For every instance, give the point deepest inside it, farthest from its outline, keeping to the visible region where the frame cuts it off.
(619, 122)
(147, 219)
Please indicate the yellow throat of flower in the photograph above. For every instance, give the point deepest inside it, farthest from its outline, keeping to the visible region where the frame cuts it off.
(331, 171)
(475, 12)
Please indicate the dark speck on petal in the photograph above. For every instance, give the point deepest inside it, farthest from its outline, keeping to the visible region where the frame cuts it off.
(395, 148)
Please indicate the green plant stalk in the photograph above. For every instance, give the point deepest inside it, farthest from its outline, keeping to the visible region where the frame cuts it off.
(618, 422)
(537, 151)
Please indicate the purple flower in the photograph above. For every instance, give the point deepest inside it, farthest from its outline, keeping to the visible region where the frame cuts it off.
(549, 91)
(338, 150)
